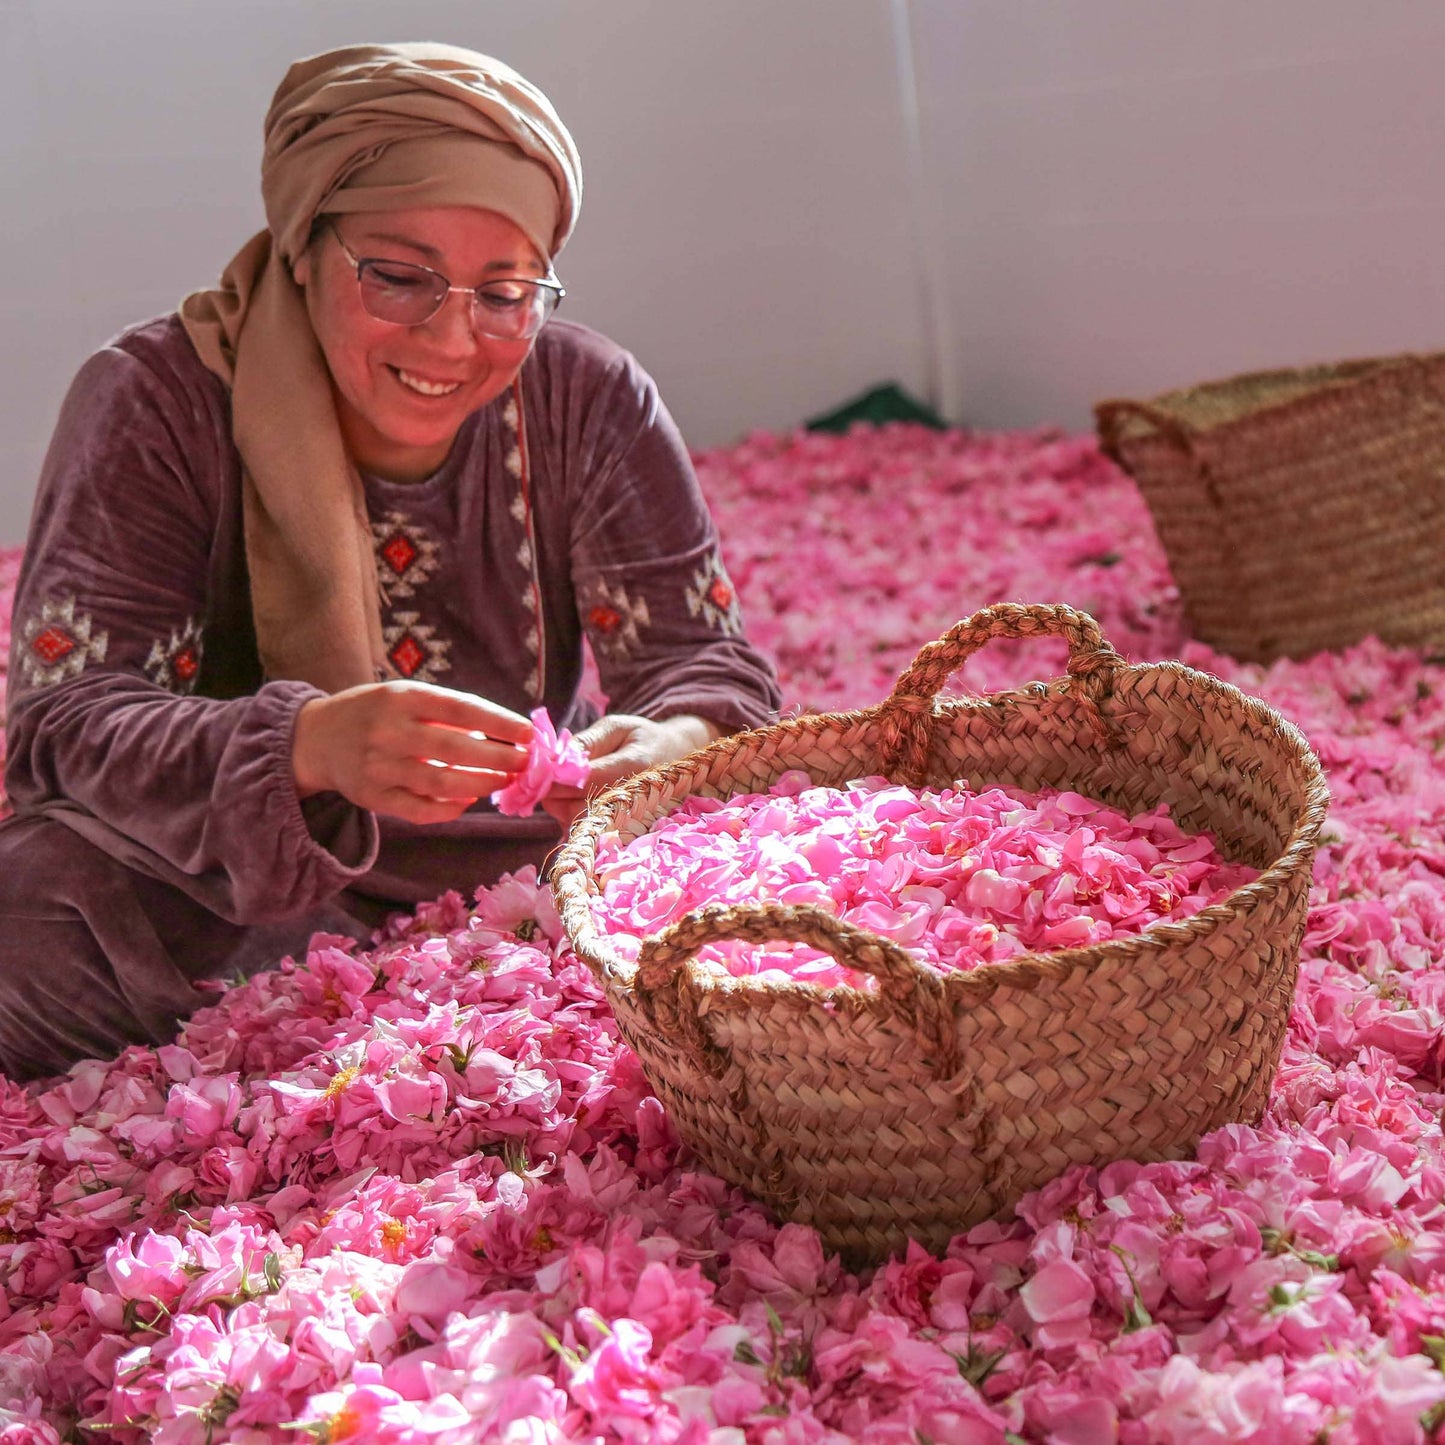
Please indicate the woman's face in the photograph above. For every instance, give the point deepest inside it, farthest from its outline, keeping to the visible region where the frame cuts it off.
(402, 392)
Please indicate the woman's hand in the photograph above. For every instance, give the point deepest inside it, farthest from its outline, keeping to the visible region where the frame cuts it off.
(619, 745)
(409, 749)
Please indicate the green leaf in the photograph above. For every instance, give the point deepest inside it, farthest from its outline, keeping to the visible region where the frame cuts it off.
(1137, 1316)
(272, 1269)
(977, 1365)
(553, 1343)
(1435, 1348)
(1283, 1297)
(745, 1354)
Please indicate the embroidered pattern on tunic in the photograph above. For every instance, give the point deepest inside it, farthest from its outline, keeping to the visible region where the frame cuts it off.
(519, 467)
(413, 649)
(175, 665)
(59, 643)
(614, 620)
(405, 556)
(713, 598)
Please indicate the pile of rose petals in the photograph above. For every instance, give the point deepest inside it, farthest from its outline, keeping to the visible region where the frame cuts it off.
(418, 1191)
(956, 877)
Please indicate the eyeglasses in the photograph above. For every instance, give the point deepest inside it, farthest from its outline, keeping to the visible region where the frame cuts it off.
(512, 309)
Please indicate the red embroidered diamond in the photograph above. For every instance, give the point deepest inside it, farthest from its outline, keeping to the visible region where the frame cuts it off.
(605, 619)
(399, 552)
(187, 664)
(407, 656)
(52, 644)
(720, 594)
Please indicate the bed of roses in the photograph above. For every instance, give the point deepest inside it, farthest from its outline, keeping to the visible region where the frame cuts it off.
(416, 1189)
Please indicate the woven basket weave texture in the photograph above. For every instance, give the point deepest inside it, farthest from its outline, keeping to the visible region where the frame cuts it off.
(923, 1106)
(1301, 510)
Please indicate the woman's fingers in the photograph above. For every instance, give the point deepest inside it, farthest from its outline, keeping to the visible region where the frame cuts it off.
(460, 750)
(431, 780)
(610, 732)
(463, 712)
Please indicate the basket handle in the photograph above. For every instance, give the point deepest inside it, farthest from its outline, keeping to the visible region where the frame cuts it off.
(908, 716)
(1110, 416)
(912, 994)
(1109, 419)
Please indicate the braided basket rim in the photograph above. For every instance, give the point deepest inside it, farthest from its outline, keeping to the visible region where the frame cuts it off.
(1122, 421)
(574, 882)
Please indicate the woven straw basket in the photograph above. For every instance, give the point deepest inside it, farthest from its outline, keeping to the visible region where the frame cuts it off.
(928, 1104)
(1301, 510)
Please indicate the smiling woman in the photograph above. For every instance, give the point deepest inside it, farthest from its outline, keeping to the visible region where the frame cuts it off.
(408, 362)
(307, 552)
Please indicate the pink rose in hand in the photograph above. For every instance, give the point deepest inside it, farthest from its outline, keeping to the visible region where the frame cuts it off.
(552, 757)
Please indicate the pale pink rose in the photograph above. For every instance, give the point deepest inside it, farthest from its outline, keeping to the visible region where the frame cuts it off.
(433, 1290)
(1059, 1299)
(1399, 1392)
(148, 1267)
(618, 1378)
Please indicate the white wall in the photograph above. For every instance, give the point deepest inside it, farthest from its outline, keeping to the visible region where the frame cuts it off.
(1134, 195)
(1120, 195)
(744, 184)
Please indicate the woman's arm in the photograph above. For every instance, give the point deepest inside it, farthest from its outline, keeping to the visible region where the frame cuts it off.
(111, 627)
(653, 595)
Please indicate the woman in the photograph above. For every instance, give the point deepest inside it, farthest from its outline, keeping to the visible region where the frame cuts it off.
(305, 554)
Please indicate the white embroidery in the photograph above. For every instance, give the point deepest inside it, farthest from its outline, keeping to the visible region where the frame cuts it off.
(518, 466)
(713, 597)
(59, 643)
(613, 619)
(405, 555)
(413, 650)
(175, 665)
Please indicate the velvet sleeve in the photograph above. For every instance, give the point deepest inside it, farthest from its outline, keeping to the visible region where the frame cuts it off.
(106, 731)
(652, 590)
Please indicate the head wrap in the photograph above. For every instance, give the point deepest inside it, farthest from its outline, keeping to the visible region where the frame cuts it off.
(367, 128)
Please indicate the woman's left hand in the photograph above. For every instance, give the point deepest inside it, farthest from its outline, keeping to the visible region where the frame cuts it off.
(619, 745)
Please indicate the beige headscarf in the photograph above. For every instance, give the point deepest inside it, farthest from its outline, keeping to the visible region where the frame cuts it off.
(367, 128)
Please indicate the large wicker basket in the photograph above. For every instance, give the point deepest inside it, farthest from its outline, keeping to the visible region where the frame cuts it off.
(1301, 510)
(927, 1105)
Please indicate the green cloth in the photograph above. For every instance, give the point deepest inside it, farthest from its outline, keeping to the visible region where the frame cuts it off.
(885, 403)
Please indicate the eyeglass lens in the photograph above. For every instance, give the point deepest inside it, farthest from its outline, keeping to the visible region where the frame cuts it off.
(410, 295)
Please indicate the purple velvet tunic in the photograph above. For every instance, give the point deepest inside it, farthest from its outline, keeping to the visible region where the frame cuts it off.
(138, 714)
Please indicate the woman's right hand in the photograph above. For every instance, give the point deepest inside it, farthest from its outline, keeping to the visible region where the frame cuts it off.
(409, 749)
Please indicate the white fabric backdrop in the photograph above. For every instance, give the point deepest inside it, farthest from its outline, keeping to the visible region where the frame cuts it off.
(1117, 195)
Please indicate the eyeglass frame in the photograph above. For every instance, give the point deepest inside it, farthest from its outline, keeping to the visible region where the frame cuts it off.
(547, 283)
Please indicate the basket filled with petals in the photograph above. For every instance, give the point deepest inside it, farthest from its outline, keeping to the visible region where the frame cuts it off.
(983, 938)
